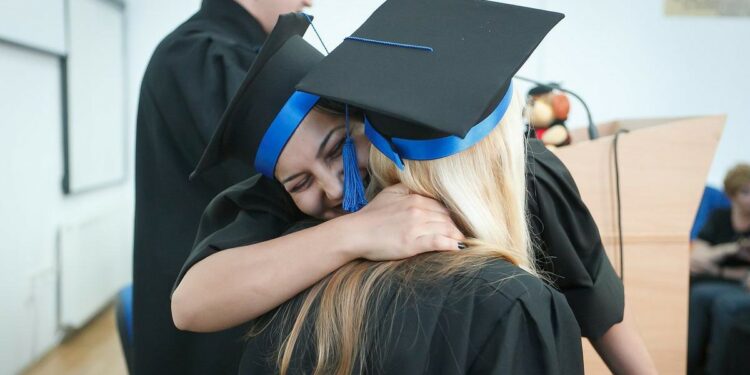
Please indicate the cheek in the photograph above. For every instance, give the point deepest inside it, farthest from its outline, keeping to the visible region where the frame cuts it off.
(307, 202)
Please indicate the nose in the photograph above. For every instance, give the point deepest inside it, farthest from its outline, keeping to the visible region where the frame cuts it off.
(332, 184)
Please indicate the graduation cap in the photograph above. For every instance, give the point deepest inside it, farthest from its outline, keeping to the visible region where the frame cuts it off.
(432, 76)
(266, 110)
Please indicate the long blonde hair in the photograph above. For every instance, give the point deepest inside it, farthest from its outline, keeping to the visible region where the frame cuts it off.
(484, 189)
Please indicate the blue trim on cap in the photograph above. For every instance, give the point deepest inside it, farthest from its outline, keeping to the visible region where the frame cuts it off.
(428, 149)
(281, 129)
(390, 44)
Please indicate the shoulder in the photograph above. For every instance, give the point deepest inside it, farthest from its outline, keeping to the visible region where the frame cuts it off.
(499, 285)
(721, 216)
(193, 42)
(546, 171)
(256, 193)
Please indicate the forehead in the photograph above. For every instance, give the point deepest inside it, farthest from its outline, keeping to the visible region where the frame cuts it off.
(303, 146)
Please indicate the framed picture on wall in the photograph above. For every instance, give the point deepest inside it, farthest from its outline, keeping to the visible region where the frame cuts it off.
(95, 129)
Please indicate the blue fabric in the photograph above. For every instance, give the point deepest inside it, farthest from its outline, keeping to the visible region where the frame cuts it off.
(389, 44)
(428, 149)
(354, 190)
(281, 129)
(126, 299)
(712, 199)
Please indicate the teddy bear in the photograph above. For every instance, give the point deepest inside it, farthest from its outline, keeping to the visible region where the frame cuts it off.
(547, 112)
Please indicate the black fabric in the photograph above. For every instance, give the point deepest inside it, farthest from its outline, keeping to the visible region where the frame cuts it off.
(477, 48)
(255, 210)
(187, 85)
(499, 321)
(569, 243)
(718, 228)
(283, 60)
(736, 361)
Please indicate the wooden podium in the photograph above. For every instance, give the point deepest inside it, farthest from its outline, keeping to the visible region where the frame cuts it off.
(663, 164)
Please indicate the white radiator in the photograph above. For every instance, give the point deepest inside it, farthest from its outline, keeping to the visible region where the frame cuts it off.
(93, 263)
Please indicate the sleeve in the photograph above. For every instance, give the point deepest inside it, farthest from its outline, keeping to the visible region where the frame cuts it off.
(709, 231)
(196, 76)
(570, 245)
(252, 211)
(532, 338)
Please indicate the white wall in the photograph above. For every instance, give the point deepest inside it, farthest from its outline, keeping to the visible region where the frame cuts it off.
(32, 207)
(30, 202)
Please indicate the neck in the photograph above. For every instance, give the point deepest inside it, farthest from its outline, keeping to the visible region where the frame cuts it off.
(255, 10)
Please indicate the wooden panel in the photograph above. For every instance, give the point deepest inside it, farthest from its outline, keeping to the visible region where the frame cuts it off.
(663, 169)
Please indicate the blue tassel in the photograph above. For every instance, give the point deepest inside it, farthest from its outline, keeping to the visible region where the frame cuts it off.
(354, 190)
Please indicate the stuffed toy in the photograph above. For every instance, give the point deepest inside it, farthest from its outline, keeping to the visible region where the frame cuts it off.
(547, 112)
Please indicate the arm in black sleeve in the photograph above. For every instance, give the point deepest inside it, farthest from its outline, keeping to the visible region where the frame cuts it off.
(255, 210)
(194, 78)
(570, 245)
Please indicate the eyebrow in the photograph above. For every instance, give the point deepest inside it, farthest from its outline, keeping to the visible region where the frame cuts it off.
(317, 155)
(325, 141)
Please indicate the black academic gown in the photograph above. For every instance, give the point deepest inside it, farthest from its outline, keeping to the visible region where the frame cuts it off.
(188, 83)
(499, 321)
(570, 248)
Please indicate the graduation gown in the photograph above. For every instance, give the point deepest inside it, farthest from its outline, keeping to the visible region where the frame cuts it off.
(570, 247)
(500, 320)
(191, 77)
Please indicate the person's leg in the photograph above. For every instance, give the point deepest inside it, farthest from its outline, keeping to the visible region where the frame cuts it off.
(702, 296)
(725, 310)
(736, 355)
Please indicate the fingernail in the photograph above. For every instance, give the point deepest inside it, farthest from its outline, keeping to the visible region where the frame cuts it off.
(461, 245)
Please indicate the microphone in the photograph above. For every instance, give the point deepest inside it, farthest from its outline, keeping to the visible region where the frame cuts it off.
(593, 132)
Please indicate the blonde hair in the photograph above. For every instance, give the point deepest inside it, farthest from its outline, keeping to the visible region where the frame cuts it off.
(483, 187)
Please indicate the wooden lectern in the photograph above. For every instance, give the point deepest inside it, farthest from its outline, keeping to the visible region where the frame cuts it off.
(663, 164)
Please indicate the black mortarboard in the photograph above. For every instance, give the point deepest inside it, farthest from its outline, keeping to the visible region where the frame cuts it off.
(430, 69)
(266, 101)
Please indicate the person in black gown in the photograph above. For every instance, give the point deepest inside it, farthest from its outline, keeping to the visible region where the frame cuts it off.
(190, 78)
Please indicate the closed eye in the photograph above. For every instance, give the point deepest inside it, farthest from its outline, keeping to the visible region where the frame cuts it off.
(304, 184)
(336, 151)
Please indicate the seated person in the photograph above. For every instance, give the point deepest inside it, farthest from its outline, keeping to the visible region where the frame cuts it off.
(720, 273)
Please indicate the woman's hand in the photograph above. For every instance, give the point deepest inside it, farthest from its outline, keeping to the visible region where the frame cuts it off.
(702, 262)
(705, 259)
(397, 225)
